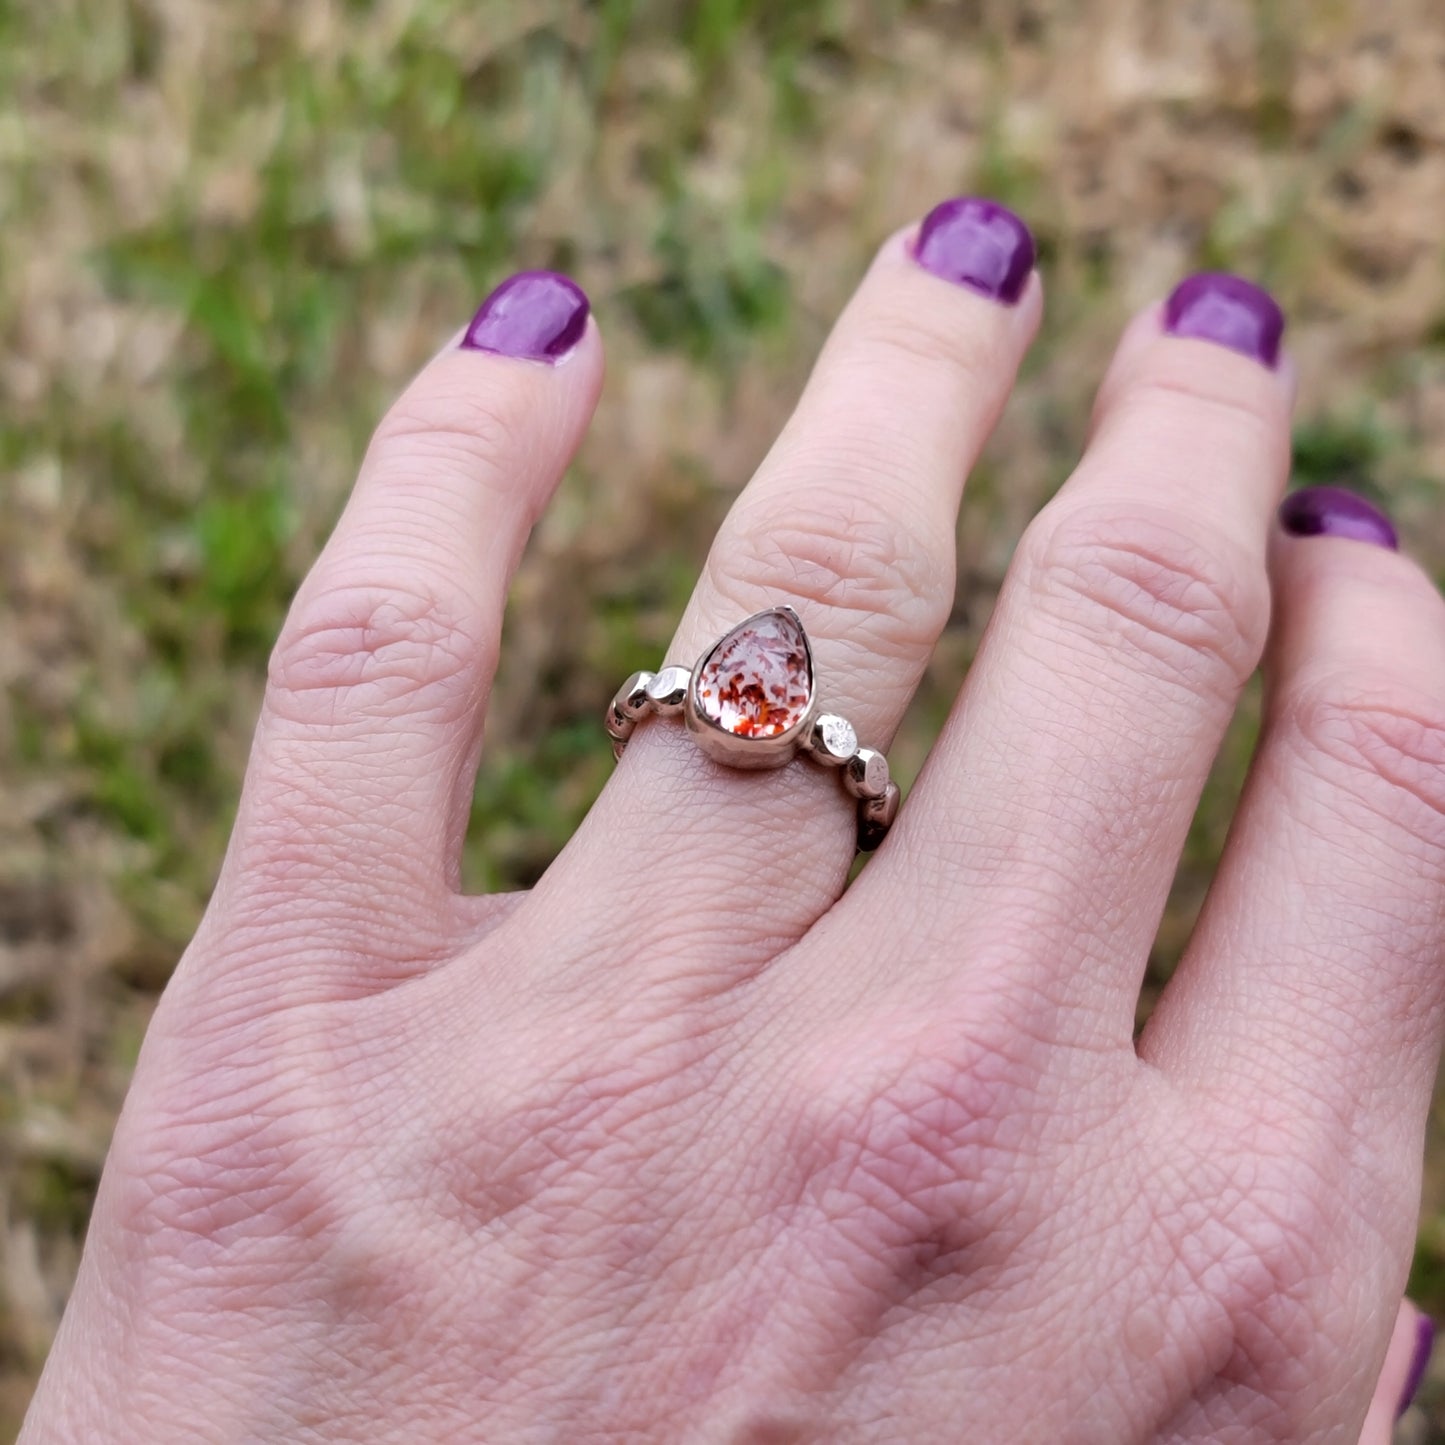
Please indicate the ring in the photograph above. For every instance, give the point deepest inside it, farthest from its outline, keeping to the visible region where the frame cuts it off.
(752, 702)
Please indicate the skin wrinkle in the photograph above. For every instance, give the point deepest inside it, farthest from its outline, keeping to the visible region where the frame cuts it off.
(674, 937)
(402, 534)
(1337, 1121)
(833, 442)
(1388, 757)
(367, 652)
(682, 785)
(850, 568)
(395, 526)
(301, 806)
(311, 888)
(1094, 704)
(1150, 584)
(291, 889)
(1157, 405)
(1017, 1349)
(488, 436)
(1174, 374)
(1046, 903)
(400, 538)
(412, 456)
(902, 341)
(1115, 831)
(1344, 801)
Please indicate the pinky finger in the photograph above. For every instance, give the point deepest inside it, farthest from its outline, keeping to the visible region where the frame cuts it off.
(1314, 970)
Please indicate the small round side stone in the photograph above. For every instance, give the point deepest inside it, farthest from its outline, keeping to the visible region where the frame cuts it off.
(832, 740)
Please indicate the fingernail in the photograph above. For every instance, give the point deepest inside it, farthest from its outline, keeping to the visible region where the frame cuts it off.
(1424, 1345)
(535, 315)
(1229, 311)
(1334, 512)
(979, 244)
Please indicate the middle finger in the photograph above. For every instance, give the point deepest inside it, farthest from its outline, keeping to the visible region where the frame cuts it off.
(1047, 827)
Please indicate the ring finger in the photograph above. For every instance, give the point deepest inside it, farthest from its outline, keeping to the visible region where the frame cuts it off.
(850, 521)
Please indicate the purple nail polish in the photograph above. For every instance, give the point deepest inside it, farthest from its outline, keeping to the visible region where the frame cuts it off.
(1334, 512)
(1424, 1346)
(979, 244)
(535, 315)
(1229, 311)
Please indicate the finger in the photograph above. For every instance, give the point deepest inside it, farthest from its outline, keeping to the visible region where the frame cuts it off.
(1411, 1345)
(359, 787)
(1045, 830)
(1314, 971)
(850, 521)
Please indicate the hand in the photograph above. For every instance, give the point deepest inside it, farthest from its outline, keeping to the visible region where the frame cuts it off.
(690, 1144)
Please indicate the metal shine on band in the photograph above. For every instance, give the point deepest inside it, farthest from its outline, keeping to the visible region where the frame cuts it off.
(752, 702)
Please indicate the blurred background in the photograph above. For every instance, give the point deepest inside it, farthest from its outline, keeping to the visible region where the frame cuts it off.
(229, 233)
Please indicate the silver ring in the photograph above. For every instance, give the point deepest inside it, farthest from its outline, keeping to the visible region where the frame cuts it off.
(752, 702)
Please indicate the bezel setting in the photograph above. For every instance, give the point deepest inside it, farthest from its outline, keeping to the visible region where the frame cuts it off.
(763, 680)
(742, 750)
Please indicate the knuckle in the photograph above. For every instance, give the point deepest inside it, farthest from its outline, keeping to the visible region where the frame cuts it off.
(583, 1124)
(354, 650)
(1195, 607)
(1261, 1235)
(845, 554)
(472, 432)
(1381, 743)
(921, 1142)
(1176, 400)
(1205, 395)
(1260, 1263)
(231, 1160)
(910, 339)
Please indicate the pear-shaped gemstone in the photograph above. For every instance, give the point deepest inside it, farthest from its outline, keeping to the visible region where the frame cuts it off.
(758, 681)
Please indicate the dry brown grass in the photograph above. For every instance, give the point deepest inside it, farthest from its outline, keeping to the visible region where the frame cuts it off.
(229, 233)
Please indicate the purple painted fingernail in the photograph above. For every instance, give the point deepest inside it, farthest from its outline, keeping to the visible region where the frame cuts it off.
(979, 244)
(535, 315)
(1424, 1346)
(1229, 311)
(1334, 512)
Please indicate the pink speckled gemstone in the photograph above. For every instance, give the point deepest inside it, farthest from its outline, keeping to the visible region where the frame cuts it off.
(758, 681)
